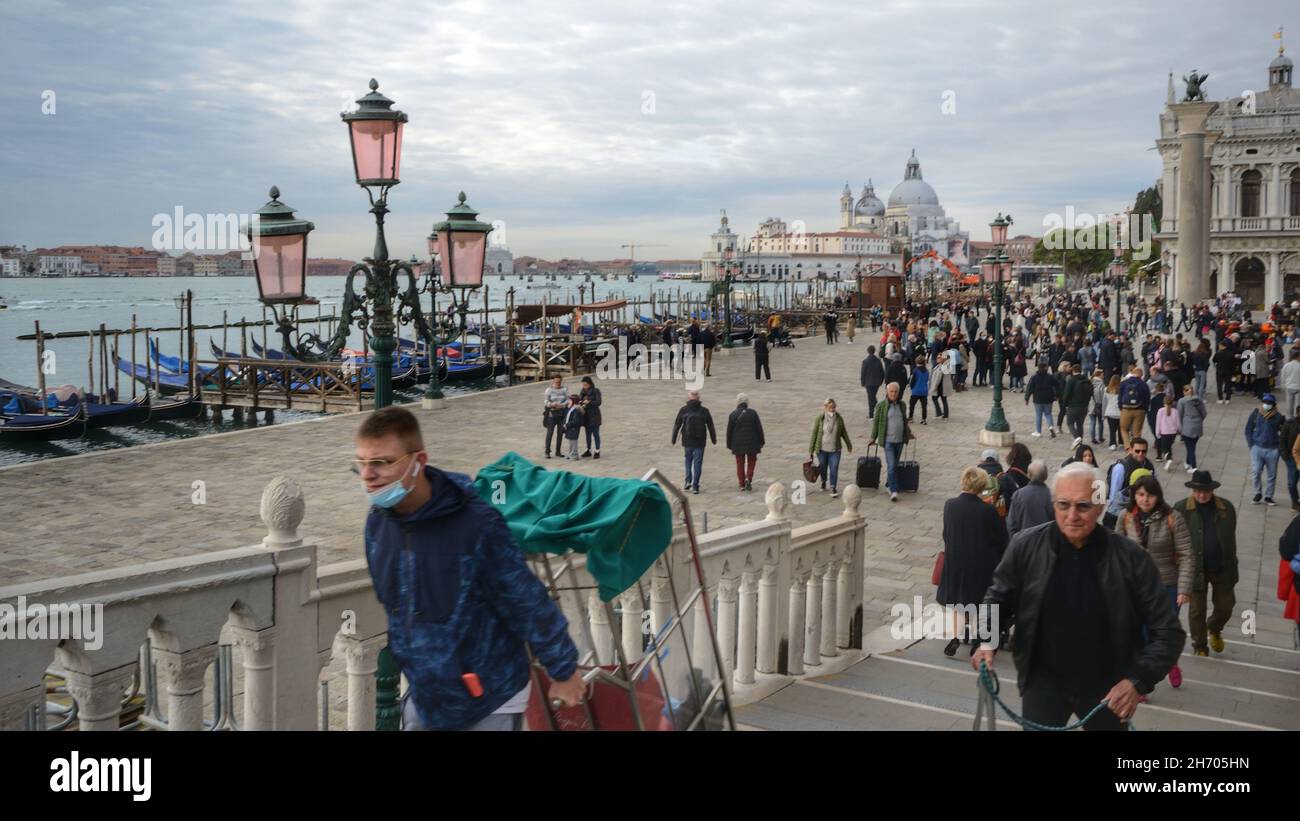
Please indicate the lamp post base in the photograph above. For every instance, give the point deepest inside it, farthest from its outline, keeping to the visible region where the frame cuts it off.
(997, 439)
(432, 403)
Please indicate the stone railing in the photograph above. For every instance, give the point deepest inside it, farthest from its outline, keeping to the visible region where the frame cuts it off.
(781, 600)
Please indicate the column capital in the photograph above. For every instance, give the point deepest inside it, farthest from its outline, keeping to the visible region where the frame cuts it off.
(183, 672)
(1192, 116)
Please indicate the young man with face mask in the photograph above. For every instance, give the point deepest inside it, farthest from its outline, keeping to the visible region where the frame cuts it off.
(461, 601)
(1263, 437)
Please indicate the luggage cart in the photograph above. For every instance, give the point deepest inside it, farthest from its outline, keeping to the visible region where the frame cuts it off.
(671, 683)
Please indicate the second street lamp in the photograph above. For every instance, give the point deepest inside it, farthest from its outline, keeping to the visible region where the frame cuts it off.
(997, 266)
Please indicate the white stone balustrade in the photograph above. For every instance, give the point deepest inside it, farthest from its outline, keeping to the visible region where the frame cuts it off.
(780, 599)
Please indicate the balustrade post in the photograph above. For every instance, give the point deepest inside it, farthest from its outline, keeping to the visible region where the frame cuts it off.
(813, 619)
(727, 589)
(601, 632)
(98, 695)
(182, 674)
(768, 637)
(844, 611)
(661, 603)
(795, 629)
(747, 640)
(828, 624)
(701, 642)
(633, 613)
(362, 656)
(257, 650)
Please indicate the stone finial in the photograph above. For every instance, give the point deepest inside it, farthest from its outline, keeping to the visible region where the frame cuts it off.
(283, 507)
(852, 498)
(778, 503)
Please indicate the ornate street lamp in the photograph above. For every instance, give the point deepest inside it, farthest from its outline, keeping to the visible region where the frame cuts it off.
(1118, 273)
(997, 266)
(857, 274)
(729, 268)
(459, 244)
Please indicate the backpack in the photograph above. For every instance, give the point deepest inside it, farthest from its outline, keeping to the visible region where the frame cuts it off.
(1127, 392)
(992, 495)
(693, 426)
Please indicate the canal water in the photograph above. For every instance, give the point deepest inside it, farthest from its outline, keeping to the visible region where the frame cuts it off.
(84, 303)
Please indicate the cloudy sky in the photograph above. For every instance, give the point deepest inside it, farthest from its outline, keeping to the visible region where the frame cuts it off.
(584, 126)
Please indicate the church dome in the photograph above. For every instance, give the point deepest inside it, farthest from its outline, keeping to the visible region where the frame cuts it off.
(913, 190)
(1281, 61)
(869, 205)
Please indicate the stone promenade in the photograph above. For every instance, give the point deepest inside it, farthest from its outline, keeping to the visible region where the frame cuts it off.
(83, 513)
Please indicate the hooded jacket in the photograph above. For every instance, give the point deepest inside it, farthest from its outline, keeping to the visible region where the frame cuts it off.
(1262, 429)
(461, 599)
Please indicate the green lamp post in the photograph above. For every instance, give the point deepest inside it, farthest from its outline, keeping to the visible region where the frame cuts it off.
(857, 299)
(728, 269)
(459, 244)
(997, 267)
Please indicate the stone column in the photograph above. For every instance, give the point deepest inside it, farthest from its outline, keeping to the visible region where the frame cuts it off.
(813, 619)
(633, 608)
(1191, 281)
(99, 696)
(602, 632)
(1273, 281)
(182, 675)
(257, 650)
(795, 629)
(362, 657)
(747, 627)
(1228, 281)
(1207, 223)
(728, 595)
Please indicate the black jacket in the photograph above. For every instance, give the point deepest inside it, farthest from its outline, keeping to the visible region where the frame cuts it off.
(744, 431)
(872, 373)
(694, 407)
(896, 372)
(760, 347)
(1041, 388)
(1108, 356)
(973, 540)
(1129, 582)
(593, 406)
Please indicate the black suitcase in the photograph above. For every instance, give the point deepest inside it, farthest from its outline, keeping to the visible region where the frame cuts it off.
(869, 469)
(909, 473)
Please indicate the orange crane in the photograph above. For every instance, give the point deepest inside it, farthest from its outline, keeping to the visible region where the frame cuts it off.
(933, 254)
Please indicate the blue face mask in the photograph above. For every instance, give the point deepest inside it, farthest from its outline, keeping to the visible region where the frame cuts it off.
(391, 495)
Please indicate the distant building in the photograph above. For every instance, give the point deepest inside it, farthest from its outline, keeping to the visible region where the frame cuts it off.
(498, 260)
(166, 265)
(1019, 248)
(775, 253)
(329, 267)
(10, 266)
(112, 259)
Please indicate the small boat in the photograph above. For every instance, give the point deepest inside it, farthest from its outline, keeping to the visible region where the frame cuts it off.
(174, 364)
(36, 427)
(185, 407)
(113, 414)
(468, 371)
(166, 383)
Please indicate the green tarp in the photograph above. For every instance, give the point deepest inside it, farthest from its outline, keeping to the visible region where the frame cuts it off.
(622, 525)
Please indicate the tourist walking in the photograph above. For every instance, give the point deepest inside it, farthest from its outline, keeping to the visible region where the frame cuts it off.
(1111, 410)
(572, 426)
(890, 429)
(1212, 526)
(1097, 410)
(695, 424)
(554, 407)
(590, 398)
(871, 376)
(828, 434)
(1289, 380)
(499, 618)
(1079, 595)
(920, 385)
(1134, 398)
(1191, 424)
(1225, 365)
(1042, 389)
(745, 440)
(1118, 476)
(1076, 398)
(973, 540)
(940, 382)
(761, 367)
(1032, 504)
(1162, 532)
(1263, 438)
(1167, 426)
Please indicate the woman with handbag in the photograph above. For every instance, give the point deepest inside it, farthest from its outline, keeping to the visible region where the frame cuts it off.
(974, 537)
(828, 433)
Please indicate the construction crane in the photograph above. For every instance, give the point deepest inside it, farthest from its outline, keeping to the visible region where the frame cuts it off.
(635, 245)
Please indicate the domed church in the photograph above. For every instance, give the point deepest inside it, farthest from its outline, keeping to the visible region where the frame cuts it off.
(913, 218)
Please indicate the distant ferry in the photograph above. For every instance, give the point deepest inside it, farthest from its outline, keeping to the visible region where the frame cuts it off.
(686, 275)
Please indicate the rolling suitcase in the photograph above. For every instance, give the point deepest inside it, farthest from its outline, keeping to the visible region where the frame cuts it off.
(909, 472)
(869, 468)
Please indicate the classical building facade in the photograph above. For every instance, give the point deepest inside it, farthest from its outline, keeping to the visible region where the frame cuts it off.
(1250, 175)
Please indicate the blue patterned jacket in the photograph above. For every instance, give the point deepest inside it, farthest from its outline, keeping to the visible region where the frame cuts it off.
(461, 599)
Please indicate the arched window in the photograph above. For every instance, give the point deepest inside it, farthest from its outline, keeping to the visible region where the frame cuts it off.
(1295, 193)
(1250, 187)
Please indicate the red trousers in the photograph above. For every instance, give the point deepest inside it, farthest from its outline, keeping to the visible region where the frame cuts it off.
(745, 467)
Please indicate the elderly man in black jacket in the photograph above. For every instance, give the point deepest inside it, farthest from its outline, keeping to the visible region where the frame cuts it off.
(745, 440)
(871, 377)
(1080, 597)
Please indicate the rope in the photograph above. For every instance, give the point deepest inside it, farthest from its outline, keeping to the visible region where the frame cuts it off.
(989, 680)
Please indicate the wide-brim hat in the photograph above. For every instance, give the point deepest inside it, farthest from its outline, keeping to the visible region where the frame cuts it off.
(1202, 480)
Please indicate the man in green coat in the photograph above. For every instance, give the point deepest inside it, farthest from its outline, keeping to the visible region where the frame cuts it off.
(1212, 523)
(890, 428)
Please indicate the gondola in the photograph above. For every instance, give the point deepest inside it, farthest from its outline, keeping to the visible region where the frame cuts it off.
(114, 414)
(469, 371)
(166, 383)
(185, 407)
(173, 364)
(35, 427)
